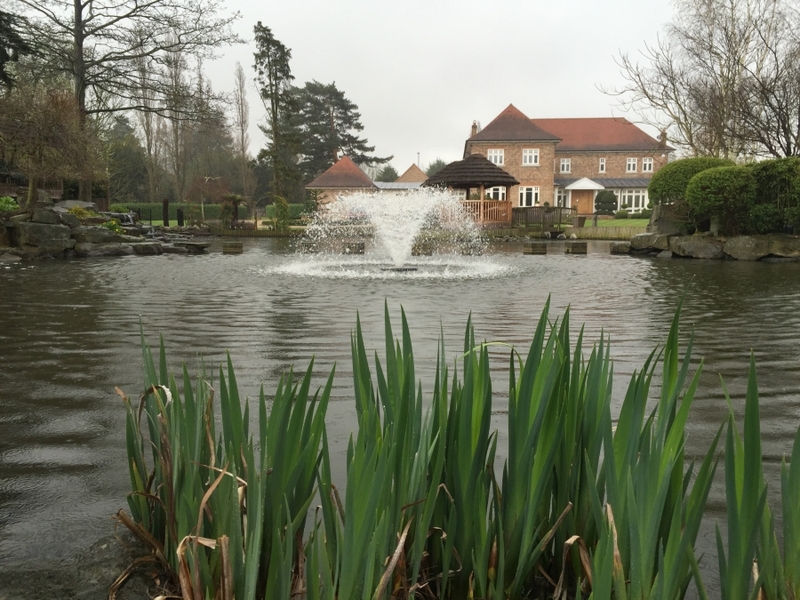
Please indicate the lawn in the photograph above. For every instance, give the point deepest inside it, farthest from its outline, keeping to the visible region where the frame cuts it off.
(619, 223)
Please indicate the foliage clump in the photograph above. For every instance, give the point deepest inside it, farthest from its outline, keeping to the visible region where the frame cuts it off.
(725, 194)
(8, 204)
(669, 183)
(605, 203)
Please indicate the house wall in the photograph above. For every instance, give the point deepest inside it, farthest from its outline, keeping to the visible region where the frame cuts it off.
(541, 175)
(587, 164)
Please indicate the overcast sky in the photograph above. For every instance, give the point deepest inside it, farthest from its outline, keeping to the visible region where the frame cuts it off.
(422, 71)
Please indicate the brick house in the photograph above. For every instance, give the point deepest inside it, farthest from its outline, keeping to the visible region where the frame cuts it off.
(565, 162)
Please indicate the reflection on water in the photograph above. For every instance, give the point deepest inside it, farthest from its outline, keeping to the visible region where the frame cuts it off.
(69, 333)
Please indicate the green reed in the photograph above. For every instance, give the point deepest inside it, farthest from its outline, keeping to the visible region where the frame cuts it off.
(580, 507)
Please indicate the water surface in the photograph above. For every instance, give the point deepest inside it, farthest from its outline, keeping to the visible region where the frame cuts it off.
(69, 333)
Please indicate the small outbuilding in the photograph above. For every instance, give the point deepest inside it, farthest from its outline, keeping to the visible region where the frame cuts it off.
(342, 179)
(475, 175)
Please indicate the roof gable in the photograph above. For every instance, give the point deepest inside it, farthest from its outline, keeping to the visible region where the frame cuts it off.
(598, 134)
(412, 175)
(343, 174)
(511, 125)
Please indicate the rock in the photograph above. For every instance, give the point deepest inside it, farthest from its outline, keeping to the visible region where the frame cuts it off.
(20, 218)
(785, 246)
(646, 241)
(573, 237)
(168, 249)
(147, 248)
(664, 254)
(561, 236)
(620, 247)
(43, 199)
(95, 235)
(45, 238)
(7, 257)
(696, 246)
(664, 221)
(45, 216)
(73, 203)
(89, 249)
(70, 220)
(748, 247)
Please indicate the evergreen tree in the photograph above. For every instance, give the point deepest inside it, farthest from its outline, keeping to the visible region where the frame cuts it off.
(274, 81)
(329, 125)
(387, 174)
(12, 46)
(435, 167)
(605, 203)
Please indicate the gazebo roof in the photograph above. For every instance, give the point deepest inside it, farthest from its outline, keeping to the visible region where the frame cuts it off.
(472, 172)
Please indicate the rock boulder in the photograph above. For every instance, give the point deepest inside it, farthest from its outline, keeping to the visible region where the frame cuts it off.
(42, 238)
(95, 235)
(697, 246)
(748, 247)
(645, 241)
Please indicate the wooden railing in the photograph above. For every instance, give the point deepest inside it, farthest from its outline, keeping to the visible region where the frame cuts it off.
(546, 216)
(488, 211)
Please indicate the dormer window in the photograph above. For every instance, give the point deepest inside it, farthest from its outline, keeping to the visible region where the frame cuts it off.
(495, 155)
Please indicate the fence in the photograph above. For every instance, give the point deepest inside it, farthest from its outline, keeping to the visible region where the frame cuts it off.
(548, 217)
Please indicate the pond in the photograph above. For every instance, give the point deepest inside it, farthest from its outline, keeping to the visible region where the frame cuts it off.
(69, 333)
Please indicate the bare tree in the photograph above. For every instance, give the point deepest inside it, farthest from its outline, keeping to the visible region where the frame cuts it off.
(42, 134)
(241, 123)
(98, 44)
(690, 82)
(769, 98)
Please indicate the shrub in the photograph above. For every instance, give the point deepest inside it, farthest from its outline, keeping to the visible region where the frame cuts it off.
(153, 209)
(8, 204)
(605, 203)
(113, 225)
(82, 213)
(621, 214)
(725, 193)
(669, 183)
(793, 217)
(765, 218)
(282, 213)
(646, 213)
(295, 210)
(778, 181)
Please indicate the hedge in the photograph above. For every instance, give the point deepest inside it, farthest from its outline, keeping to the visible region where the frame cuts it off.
(669, 184)
(145, 209)
(725, 193)
(778, 181)
(295, 210)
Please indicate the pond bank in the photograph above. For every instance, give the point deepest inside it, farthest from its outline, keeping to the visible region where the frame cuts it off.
(776, 247)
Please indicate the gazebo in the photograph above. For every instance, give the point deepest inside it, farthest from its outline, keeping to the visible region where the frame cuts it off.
(476, 172)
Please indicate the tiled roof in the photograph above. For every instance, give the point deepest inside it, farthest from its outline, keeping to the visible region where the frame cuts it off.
(599, 134)
(473, 171)
(397, 185)
(512, 125)
(343, 174)
(412, 175)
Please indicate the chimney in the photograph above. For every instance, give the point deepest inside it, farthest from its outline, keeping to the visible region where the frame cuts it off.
(474, 129)
(662, 139)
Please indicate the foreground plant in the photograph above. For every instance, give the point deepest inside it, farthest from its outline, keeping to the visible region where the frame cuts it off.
(580, 507)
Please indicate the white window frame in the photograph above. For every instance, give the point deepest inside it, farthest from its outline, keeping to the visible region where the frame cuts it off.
(496, 156)
(635, 198)
(561, 197)
(528, 195)
(631, 165)
(496, 193)
(565, 166)
(530, 157)
(647, 165)
(601, 166)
